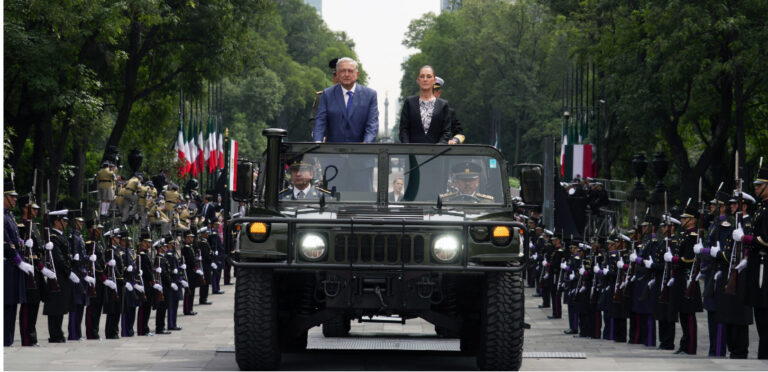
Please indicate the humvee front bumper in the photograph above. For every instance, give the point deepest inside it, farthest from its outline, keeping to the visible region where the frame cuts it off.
(372, 245)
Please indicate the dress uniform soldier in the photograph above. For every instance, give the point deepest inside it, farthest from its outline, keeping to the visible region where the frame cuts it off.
(129, 192)
(113, 284)
(582, 300)
(620, 292)
(571, 268)
(204, 256)
(130, 298)
(217, 258)
(57, 303)
(80, 269)
(645, 291)
(172, 197)
(194, 274)
(544, 277)
(756, 247)
(686, 302)
(106, 180)
(559, 256)
(534, 267)
(31, 254)
(607, 275)
(144, 285)
(162, 286)
(712, 244)
(664, 310)
(628, 294)
(466, 177)
(14, 268)
(96, 259)
(178, 276)
(730, 304)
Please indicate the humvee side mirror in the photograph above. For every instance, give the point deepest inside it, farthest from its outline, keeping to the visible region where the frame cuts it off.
(531, 183)
(244, 181)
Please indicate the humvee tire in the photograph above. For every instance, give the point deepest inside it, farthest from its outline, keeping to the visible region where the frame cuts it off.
(501, 330)
(256, 331)
(337, 327)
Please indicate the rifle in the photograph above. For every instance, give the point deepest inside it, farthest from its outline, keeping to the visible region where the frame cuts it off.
(113, 277)
(199, 261)
(691, 284)
(618, 289)
(92, 287)
(158, 280)
(27, 252)
(53, 284)
(664, 293)
(738, 247)
(142, 295)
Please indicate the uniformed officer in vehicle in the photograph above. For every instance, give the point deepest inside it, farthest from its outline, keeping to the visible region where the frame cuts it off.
(466, 179)
(301, 183)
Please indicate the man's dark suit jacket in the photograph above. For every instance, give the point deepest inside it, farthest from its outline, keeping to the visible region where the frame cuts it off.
(411, 129)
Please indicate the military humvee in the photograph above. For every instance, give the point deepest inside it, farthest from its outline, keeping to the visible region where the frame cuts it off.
(444, 251)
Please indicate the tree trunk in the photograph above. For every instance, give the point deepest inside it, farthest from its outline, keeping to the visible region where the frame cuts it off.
(79, 148)
(131, 74)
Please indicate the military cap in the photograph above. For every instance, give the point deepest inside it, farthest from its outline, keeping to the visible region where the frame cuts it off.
(150, 183)
(690, 211)
(667, 218)
(625, 238)
(190, 233)
(9, 188)
(332, 64)
(59, 215)
(547, 232)
(296, 163)
(762, 176)
(203, 230)
(439, 82)
(746, 198)
(28, 202)
(722, 197)
(466, 170)
(139, 175)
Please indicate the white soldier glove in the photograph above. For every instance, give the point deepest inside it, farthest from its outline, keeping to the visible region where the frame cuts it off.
(49, 246)
(128, 286)
(572, 276)
(158, 287)
(92, 258)
(544, 262)
(159, 270)
(713, 252)
(183, 266)
(670, 282)
(175, 271)
(25, 267)
(742, 265)
(90, 280)
(216, 253)
(48, 273)
(648, 262)
(141, 272)
(535, 256)
(582, 270)
(606, 270)
(698, 247)
(738, 234)
(139, 288)
(199, 272)
(184, 284)
(76, 257)
(620, 264)
(546, 275)
(129, 269)
(563, 265)
(668, 256)
(112, 263)
(174, 286)
(213, 265)
(651, 283)
(596, 268)
(73, 277)
(632, 257)
(110, 284)
(29, 243)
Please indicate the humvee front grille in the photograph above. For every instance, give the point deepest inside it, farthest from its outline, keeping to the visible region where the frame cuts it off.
(379, 248)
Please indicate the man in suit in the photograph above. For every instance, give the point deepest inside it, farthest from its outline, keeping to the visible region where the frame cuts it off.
(348, 112)
(209, 210)
(397, 190)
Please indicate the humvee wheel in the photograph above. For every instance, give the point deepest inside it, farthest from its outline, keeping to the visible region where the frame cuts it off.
(501, 329)
(256, 330)
(339, 326)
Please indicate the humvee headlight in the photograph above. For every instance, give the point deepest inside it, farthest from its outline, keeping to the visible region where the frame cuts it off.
(446, 248)
(479, 233)
(501, 235)
(258, 231)
(312, 246)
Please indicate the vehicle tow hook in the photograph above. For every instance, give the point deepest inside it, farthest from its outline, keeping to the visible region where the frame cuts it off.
(331, 286)
(425, 287)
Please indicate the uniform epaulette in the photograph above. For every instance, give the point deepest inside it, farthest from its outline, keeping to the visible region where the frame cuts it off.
(686, 260)
(284, 190)
(448, 194)
(479, 195)
(693, 234)
(323, 190)
(319, 92)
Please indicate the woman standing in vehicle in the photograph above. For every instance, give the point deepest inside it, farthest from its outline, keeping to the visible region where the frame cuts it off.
(425, 118)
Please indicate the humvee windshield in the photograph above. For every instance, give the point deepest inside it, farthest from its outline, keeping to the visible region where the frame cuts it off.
(411, 178)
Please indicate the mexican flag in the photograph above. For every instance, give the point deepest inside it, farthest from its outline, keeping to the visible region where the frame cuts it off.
(220, 147)
(564, 143)
(181, 149)
(192, 149)
(576, 160)
(232, 165)
(201, 153)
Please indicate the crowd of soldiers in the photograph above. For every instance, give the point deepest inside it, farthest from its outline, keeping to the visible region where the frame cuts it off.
(633, 286)
(156, 254)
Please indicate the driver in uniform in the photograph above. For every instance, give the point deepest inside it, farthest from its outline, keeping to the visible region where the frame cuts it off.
(466, 179)
(301, 183)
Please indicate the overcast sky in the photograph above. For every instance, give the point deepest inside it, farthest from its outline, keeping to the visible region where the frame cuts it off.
(378, 28)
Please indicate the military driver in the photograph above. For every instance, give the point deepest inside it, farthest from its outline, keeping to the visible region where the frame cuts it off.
(466, 180)
(301, 181)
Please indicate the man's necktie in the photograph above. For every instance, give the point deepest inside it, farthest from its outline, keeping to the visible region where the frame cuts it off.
(300, 195)
(349, 101)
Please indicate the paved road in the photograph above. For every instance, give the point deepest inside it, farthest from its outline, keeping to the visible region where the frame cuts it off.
(206, 342)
